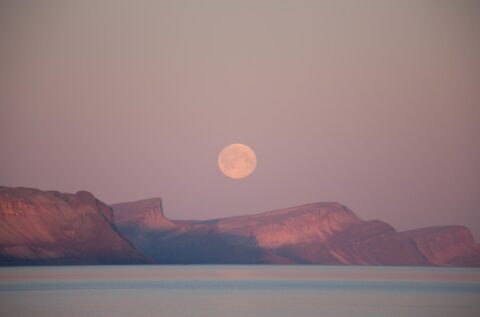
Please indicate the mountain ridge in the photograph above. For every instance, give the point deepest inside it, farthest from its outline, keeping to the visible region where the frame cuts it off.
(313, 233)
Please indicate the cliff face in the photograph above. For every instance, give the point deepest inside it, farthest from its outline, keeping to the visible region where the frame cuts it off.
(320, 233)
(297, 225)
(326, 233)
(144, 214)
(448, 245)
(48, 227)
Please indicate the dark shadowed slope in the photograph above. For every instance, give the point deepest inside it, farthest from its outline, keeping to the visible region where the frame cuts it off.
(48, 227)
(144, 223)
(319, 233)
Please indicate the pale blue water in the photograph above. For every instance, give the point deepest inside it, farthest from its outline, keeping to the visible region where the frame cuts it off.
(238, 291)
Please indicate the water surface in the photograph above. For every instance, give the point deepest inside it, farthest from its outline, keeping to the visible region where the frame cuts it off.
(239, 291)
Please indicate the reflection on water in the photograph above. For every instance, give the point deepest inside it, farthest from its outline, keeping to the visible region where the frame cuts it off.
(238, 291)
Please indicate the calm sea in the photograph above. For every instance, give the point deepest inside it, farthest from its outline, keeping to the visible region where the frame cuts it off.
(238, 291)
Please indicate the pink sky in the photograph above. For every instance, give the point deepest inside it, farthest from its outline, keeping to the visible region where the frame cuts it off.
(375, 105)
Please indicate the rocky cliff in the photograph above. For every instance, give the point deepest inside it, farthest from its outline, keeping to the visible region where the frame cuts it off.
(144, 214)
(297, 225)
(48, 227)
(319, 233)
(448, 245)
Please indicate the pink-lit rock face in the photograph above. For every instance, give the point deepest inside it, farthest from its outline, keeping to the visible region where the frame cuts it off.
(448, 245)
(319, 233)
(48, 227)
(364, 243)
(144, 214)
(41, 227)
(292, 226)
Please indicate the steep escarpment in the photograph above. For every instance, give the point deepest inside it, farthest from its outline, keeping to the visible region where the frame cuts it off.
(144, 214)
(49, 227)
(326, 233)
(375, 243)
(291, 226)
(318, 233)
(447, 245)
(171, 242)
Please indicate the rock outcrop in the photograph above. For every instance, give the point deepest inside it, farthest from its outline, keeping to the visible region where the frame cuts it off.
(144, 214)
(48, 227)
(319, 233)
(292, 226)
(447, 245)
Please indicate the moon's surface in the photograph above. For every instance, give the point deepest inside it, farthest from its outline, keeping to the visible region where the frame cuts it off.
(237, 161)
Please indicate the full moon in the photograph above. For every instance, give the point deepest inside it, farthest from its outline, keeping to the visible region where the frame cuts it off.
(237, 161)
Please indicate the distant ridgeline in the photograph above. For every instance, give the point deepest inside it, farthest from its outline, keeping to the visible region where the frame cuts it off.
(48, 227)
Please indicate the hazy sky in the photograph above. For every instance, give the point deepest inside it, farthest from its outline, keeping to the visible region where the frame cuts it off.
(374, 104)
